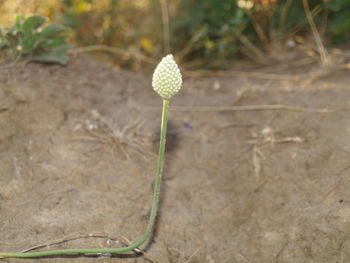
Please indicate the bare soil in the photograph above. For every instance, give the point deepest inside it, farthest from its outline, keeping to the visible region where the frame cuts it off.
(78, 157)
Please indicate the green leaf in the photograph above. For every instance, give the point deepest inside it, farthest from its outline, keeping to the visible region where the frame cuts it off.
(32, 23)
(29, 43)
(52, 30)
(57, 43)
(24, 41)
(63, 47)
(52, 57)
(16, 27)
(18, 23)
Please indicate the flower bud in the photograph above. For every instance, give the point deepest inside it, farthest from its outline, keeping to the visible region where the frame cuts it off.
(167, 78)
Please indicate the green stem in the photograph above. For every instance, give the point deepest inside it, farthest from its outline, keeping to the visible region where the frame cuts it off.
(152, 217)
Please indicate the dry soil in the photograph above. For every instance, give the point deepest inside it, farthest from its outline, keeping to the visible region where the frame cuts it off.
(249, 185)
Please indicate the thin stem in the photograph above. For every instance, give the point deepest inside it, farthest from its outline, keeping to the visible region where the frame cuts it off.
(166, 29)
(321, 49)
(152, 217)
(283, 16)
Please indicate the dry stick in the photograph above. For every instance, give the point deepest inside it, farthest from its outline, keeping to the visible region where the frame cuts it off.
(113, 50)
(258, 29)
(324, 25)
(189, 45)
(68, 239)
(251, 50)
(91, 235)
(283, 15)
(298, 27)
(244, 257)
(257, 156)
(166, 29)
(193, 254)
(334, 187)
(321, 49)
(251, 108)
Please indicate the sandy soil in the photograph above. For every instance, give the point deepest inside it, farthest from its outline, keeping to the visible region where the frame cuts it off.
(78, 157)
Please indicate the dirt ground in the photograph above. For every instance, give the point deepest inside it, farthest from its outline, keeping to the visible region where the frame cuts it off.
(242, 183)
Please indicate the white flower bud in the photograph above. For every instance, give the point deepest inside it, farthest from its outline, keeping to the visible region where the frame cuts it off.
(167, 78)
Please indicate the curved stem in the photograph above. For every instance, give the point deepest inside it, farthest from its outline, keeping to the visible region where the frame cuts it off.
(152, 218)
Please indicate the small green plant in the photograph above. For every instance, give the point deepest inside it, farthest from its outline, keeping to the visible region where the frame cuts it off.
(213, 33)
(166, 82)
(28, 39)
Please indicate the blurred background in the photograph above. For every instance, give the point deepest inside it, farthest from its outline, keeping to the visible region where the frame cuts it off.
(203, 34)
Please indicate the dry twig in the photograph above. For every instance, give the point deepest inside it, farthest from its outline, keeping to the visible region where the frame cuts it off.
(166, 29)
(70, 238)
(324, 57)
(250, 108)
(257, 155)
(126, 140)
(193, 254)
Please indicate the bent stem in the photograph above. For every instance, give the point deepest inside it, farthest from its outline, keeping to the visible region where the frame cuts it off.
(152, 217)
